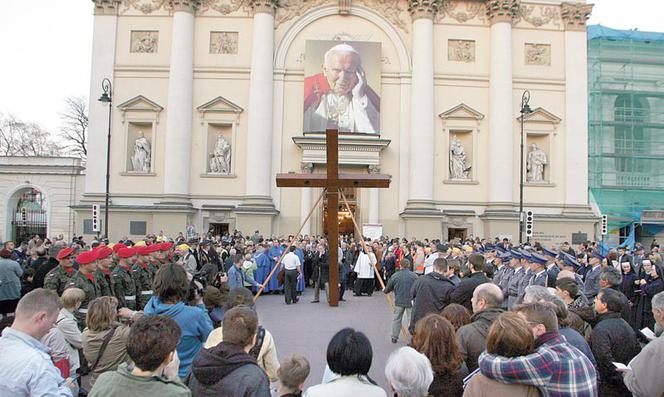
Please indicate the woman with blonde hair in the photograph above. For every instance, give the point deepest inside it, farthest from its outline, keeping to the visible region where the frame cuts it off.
(510, 335)
(105, 339)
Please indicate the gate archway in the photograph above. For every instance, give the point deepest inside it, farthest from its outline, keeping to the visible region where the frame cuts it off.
(29, 214)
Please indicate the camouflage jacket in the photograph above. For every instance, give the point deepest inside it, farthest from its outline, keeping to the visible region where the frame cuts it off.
(104, 282)
(143, 282)
(124, 287)
(58, 279)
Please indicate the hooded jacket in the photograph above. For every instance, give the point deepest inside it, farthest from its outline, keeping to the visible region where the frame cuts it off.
(194, 323)
(430, 294)
(472, 337)
(226, 370)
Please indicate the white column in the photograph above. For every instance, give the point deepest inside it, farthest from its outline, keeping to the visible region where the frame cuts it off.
(374, 198)
(576, 104)
(177, 170)
(261, 87)
(501, 112)
(420, 181)
(103, 59)
(305, 205)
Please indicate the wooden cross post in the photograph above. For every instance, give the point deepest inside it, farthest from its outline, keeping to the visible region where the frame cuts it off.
(333, 181)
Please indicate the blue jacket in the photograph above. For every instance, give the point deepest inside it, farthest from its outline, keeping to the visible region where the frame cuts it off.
(195, 325)
(236, 278)
(10, 279)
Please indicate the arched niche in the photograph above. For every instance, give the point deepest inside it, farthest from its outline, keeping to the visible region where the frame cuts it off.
(34, 216)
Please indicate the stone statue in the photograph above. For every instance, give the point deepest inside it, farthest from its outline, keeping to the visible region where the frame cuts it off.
(220, 158)
(536, 162)
(459, 164)
(140, 161)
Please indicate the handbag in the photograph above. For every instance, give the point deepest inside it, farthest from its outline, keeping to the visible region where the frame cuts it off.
(102, 349)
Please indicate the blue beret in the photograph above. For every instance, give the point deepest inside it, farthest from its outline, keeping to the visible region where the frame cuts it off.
(537, 258)
(549, 252)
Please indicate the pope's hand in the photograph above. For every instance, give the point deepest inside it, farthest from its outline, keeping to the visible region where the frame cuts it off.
(361, 87)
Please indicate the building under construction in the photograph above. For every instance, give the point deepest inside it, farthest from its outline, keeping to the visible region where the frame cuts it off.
(626, 132)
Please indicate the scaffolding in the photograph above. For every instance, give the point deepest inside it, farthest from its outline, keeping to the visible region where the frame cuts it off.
(626, 125)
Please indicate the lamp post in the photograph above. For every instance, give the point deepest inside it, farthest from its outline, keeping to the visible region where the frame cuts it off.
(107, 97)
(525, 109)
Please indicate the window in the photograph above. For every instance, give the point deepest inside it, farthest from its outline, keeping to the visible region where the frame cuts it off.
(87, 227)
(138, 228)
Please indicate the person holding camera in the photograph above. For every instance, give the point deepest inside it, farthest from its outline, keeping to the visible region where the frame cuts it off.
(171, 288)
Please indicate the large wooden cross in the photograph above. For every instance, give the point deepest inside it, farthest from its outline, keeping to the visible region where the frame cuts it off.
(332, 181)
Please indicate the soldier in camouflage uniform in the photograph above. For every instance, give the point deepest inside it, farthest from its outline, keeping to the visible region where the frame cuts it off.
(59, 277)
(142, 277)
(103, 272)
(84, 279)
(122, 280)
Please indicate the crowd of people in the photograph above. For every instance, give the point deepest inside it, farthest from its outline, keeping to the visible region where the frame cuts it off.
(175, 316)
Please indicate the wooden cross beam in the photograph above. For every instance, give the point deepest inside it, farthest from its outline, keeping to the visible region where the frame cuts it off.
(332, 180)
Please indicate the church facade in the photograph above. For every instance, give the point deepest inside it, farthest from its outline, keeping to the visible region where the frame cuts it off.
(212, 98)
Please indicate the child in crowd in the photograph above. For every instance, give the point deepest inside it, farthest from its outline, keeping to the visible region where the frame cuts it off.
(293, 372)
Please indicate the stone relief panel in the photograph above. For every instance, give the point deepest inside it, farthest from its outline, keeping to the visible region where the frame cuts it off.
(144, 6)
(538, 54)
(539, 15)
(461, 12)
(461, 50)
(144, 41)
(223, 42)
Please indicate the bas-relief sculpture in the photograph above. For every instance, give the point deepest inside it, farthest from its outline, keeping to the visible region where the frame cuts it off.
(538, 54)
(461, 50)
(220, 157)
(223, 42)
(144, 41)
(459, 164)
(140, 160)
(536, 162)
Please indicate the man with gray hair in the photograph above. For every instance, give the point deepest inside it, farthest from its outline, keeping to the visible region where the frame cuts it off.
(340, 95)
(644, 374)
(26, 368)
(535, 293)
(409, 373)
(487, 304)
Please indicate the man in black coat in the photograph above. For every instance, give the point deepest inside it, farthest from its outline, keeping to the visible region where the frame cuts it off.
(320, 270)
(431, 293)
(612, 340)
(464, 291)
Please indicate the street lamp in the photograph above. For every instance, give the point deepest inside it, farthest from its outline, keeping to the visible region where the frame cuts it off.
(106, 97)
(525, 109)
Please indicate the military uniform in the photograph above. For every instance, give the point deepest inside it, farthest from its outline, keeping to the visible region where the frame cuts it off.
(143, 282)
(104, 282)
(124, 287)
(58, 279)
(92, 291)
(513, 287)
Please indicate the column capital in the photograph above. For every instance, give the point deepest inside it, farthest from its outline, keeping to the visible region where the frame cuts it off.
(106, 7)
(185, 5)
(423, 8)
(307, 168)
(502, 10)
(264, 6)
(575, 15)
(374, 169)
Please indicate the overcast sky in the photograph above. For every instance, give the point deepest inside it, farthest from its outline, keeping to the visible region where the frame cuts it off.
(46, 48)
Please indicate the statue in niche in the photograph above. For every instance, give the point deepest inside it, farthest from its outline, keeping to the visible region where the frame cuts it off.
(140, 161)
(220, 158)
(536, 162)
(459, 164)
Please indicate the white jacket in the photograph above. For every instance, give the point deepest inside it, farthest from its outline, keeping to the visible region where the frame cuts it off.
(346, 386)
(365, 265)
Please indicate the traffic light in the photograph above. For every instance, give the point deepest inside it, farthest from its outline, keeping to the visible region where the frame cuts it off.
(95, 218)
(605, 225)
(529, 223)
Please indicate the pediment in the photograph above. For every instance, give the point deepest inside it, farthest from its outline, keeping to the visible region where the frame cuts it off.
(140, 103)
(220, 105)
(461, 112)
(541, 115)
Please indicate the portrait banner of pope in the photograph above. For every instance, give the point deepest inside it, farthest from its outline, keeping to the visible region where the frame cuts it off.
(342, 86)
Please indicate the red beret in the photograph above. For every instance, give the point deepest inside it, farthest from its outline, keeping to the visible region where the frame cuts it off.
(126, 252)
(166, 246)
(154, 248)
(143, 250)
(86, 257)
(117, 247)
(65, 252)
(103, 252)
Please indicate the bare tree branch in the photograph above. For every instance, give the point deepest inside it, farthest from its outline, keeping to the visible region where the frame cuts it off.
(74, 130)
(25, 138)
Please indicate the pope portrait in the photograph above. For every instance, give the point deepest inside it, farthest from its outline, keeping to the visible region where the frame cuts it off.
(339, 97)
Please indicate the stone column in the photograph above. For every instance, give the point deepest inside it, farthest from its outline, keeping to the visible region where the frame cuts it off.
(576, 103)
(260, 123)
(374, 198)
(305, 205)
(177, 155)
(103, 54)
(257, 210)
(501, 110)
